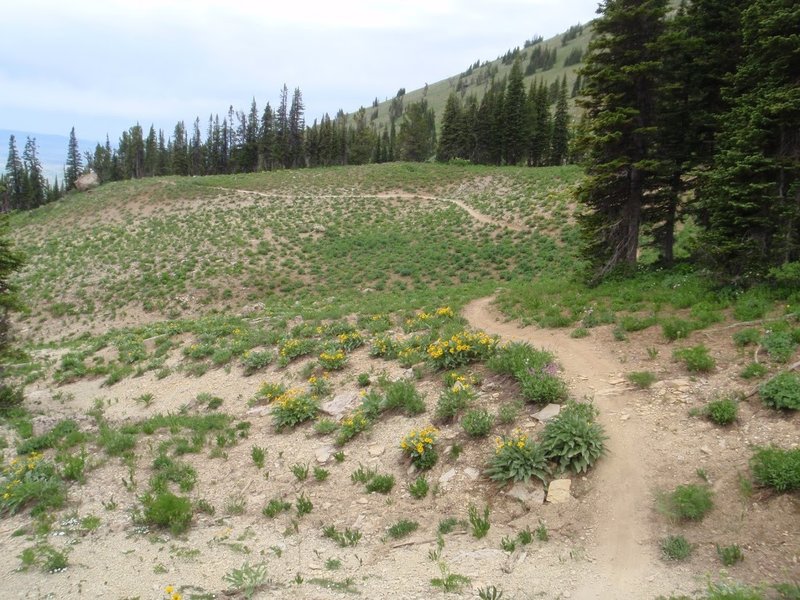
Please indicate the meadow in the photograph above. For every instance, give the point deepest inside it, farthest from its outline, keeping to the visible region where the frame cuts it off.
(290, 384)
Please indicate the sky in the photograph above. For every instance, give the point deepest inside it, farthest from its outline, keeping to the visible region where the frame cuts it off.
(104, 65)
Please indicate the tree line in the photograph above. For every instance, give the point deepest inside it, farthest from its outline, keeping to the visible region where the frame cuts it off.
(508, 126)
(695, 115)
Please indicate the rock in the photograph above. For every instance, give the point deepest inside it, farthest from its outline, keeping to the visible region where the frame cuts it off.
(340, 404)
(547, 413)
(87, 181)
(323, 454)
(252, 309)
(445, 478)
(624, 417)
(259, 411)
(471, 473)
(705, 450)
(376, 450)
(616, 381)
(558, 491)
(528, 493)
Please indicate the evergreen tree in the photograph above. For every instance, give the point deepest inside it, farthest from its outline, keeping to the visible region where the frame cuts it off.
(179, 153)
(10, 261)
(15, 175)
(620, 75)
(266, 142)
(297, 128)
(539, 124)
(450, 140)
(416, 139)
(559, 141)
(753, 197)
(515, 124)
(35, 184)
(282, 155)
(151, 166)
(74, 164)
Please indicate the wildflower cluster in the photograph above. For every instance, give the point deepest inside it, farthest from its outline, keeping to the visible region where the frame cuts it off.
(29, 479)
(461, 348)
(383, 347)
(516, 458)
(320, 385)
(292, 408)
(375, 323)
(351, 426)
(409, 356)
(291, 348)
(455, 398)
(419, 446)
(333, 359)
(426, 320)
(349, 340)
(269, 392)
(171, 593)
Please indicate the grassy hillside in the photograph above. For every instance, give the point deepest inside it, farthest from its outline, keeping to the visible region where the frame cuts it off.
(478, 80)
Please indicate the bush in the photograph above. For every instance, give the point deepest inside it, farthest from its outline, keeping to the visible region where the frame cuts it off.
(723, 411)
(542, 387)
(30, 481)
(696, 359)
(382, 484)
(10, 399)
(642, 379)
(168, 511)
(453, 400)
(782, 391)
(477, 423)
(676, 329)
(255, 361)
(753, 371)
(776, 468)
(403, 395)
(419, 446)
(675, 547)
(746, 337)
(573, 439)
(461, 348)
(729, 555)
(292, 408)
(779, 345)
(517, 459)
(518, 357)
(688, 502)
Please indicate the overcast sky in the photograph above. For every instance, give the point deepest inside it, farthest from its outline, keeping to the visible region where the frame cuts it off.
(103, 65)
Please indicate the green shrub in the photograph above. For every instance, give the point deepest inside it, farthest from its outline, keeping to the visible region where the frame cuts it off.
(30, 481)
(292, 408)
(732, 591)
(723, 411)
(477, 422)
(642, 379)
(419, 445)
(517, 459)
(579, 333)
(729, 555)
(776, 468)
(633, 323)
(676, 329)
(479, 523)
(675, 547)
(348, 537)
(10, 399)
(116, 442)
(688, 502)
(402, 528)
(453, 400)
(746, 337)
(274, 507)
(782, 391)
(381, 484)
(751, 306)
(64, 434)
(753, 371)
(402, 395)
(255, 361)
(168, 511)
(779, 345)
(573, 439)
(697, 359)
(517, 357)
(542, 387)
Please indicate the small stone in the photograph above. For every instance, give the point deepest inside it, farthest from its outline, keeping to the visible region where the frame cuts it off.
(411, 470)
(472, 473)
(624, 417)
(527, 493)
(363, 501)
(447, 476)
(323, 454)
(376, 450)
(558, 491)
(547, 413)
(705, 450)
(340, 404)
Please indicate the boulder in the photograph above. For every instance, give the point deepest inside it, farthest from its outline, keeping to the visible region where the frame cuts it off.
(558, 491)
(87, 181)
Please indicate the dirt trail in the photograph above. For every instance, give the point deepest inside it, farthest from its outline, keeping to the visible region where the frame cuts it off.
(623, 561)
(476, 215)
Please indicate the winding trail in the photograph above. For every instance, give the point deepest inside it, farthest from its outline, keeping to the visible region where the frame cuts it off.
(623, 559)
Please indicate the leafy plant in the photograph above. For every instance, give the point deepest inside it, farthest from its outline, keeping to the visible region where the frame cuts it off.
(419, 487)
(274, 507)
(688, 502)
(321, 474)
(723, 411)
(258, 454)
(516, 458)
(730, 555)
(292, 408)
(402, 395)
(420, 446)
(479, 523)
(642, 379)
(168, 511)
(402, 528)
(381, 484)
(776, 468)
(696, 359)
(675, 547)
(300, 471)
(753, 371)
(348, 537)
(489, 592)
(782, 391)
(573, 439)
(247, 579)
(477, 422)
(453, 400)
(303, 505)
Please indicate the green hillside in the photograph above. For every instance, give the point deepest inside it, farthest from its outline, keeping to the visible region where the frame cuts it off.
(477, 80)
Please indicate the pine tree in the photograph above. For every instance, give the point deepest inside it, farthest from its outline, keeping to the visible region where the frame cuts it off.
(36, 185)
(416, 139)
(297, 128)
(620, 75)
(753, 196)
(266, 142)
(450, 140)
(282, 156)
(179, 154)
(559, 141)
(74, 164)
(10, 261)
(151, 154)
(515, 124)
(15, 175)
